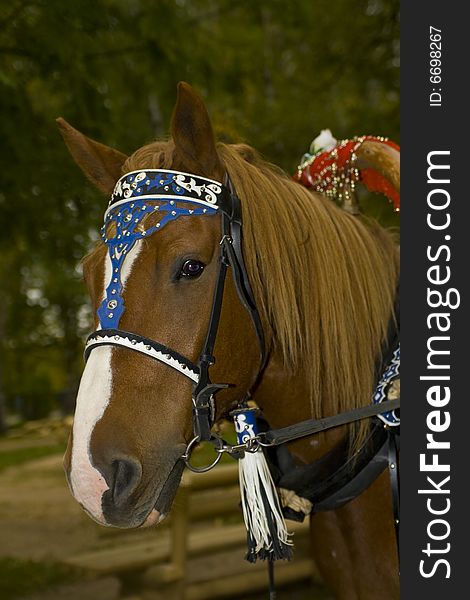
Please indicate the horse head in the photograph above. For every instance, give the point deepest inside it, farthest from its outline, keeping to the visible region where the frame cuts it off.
(133, 416)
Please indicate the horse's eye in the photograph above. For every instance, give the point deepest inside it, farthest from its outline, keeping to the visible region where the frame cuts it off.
(192, 268)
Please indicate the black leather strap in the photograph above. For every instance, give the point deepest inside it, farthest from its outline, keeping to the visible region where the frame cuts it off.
(230, 255)
(393, 464)
(275, 437)
(203, 409)
(336, 478)
(240, 273)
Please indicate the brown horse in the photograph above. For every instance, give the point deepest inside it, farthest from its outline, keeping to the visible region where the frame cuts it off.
(324, 283)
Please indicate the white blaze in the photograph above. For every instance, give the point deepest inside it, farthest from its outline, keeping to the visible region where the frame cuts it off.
(94, 394)
(88, 485)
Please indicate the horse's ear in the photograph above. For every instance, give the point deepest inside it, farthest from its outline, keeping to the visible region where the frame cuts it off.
(193, 136)
(101, 164)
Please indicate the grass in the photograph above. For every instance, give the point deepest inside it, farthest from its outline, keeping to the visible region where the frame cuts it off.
(20, 577)
(10, 458)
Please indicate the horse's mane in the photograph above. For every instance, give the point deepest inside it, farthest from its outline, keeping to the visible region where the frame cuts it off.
(324, 280)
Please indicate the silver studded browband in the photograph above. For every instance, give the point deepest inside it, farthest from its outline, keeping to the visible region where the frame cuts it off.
(107, 337)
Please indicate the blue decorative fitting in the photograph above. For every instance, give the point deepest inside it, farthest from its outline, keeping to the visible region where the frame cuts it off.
(133, 198)
(391, 372)
(245, 424)
(110, 314)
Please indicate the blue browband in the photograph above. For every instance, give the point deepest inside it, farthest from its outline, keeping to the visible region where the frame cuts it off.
(133, 199)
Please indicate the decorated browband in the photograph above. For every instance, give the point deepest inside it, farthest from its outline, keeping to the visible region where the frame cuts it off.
(138, 194)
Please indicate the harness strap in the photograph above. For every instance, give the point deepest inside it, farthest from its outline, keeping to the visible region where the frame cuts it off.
(203, 412)
(272, 585)
(230, 255)
(274, 437)
(240, 274)
(335, 478)
(394, 442)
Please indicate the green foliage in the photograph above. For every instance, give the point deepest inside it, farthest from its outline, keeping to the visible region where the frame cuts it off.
(20, 577)
(273, 73)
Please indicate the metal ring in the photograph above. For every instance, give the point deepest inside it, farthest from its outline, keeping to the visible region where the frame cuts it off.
(264, 444)
(186, 456)
(252, 445)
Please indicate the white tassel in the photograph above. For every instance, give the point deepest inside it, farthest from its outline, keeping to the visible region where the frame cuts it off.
(267, 532)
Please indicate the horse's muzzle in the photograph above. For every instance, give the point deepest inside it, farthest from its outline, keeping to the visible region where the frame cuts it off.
(128, 503)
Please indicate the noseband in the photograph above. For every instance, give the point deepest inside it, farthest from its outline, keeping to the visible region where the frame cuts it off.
(135, 196)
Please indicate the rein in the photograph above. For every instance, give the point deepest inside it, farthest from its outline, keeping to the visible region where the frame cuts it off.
(276, 437)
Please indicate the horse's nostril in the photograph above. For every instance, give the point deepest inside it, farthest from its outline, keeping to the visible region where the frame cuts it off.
(127, 474)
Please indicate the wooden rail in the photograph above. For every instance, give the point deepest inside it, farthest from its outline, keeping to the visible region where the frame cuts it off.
(169, 563)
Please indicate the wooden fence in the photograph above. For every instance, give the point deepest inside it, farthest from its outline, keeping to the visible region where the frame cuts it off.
(199, 554)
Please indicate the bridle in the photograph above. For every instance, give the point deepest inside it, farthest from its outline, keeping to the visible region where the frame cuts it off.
(183, 194)
(134, 197)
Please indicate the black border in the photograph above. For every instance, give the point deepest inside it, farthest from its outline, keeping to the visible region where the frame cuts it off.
(423, 129)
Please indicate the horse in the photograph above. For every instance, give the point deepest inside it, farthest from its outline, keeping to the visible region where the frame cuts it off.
(324, 283)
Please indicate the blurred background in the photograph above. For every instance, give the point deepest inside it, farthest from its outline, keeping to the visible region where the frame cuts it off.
(272, 73)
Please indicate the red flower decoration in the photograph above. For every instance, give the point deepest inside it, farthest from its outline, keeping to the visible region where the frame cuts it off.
(335, 172)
